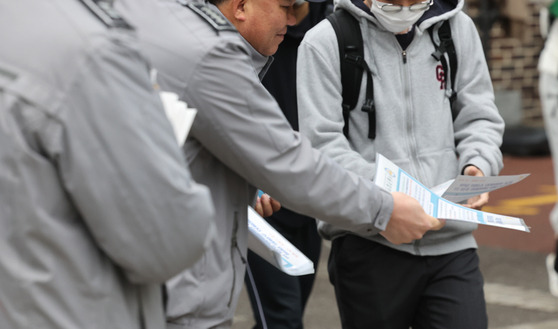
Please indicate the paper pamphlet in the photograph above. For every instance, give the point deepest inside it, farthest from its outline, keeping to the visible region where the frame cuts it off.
(269, 244)
(393, 179)
(180, 116)
(465, 187)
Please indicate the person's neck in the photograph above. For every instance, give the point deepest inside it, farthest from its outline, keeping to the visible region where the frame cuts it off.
(406, 31)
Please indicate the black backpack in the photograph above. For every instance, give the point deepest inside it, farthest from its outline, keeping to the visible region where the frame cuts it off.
(353, 65)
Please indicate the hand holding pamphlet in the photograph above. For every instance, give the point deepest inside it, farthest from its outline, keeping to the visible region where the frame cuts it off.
(466, 187)
(393, 179)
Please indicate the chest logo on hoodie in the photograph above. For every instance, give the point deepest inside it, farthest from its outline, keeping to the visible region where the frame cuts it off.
(441, 76)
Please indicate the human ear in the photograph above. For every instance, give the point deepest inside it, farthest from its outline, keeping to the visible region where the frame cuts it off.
(240, 9)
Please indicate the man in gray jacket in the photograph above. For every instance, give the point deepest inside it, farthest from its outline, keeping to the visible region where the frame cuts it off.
(433, 282)
(96, 206)
(241, 139)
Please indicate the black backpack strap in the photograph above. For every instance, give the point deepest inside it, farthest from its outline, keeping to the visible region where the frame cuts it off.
(353, 65)
(369, 105)
(446, 46)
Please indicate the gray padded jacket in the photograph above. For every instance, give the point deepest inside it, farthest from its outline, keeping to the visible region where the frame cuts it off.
(96, 206)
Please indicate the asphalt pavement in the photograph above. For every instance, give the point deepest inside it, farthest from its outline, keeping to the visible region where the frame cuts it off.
(512, 262)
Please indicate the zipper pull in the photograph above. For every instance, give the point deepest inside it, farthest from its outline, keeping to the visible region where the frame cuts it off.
(404, 54)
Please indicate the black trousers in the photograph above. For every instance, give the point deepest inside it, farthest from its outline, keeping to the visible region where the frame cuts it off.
(278, 299)
(378, 287)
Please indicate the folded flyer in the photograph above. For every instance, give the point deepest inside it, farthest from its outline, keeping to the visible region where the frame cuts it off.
(393, 179)
(269, 244)
(179, 114)
(464, 187)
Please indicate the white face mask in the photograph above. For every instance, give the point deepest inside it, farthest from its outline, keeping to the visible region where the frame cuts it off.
(395, 22)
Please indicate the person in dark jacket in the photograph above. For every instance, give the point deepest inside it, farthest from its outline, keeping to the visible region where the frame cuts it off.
(278, 300)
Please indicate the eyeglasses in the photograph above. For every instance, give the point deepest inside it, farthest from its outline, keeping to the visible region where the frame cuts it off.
(391, 8)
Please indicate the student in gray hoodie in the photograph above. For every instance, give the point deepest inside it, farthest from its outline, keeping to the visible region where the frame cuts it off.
(433, 282)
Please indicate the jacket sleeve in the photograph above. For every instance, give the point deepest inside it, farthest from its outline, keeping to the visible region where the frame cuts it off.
(242, 125)
(320, 99)
(120, 163)
(478, 126)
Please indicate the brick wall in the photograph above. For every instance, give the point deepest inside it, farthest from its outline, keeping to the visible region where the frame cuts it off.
(514, 47)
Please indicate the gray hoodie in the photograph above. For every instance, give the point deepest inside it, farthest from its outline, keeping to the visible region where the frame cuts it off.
(414, 121)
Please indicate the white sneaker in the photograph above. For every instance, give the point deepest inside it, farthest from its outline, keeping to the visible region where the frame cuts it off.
(552, 275)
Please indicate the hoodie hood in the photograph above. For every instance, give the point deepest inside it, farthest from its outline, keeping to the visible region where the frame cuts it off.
(440, 10)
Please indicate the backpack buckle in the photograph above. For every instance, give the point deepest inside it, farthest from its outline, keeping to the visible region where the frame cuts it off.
(437, 54)
(368, 106)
